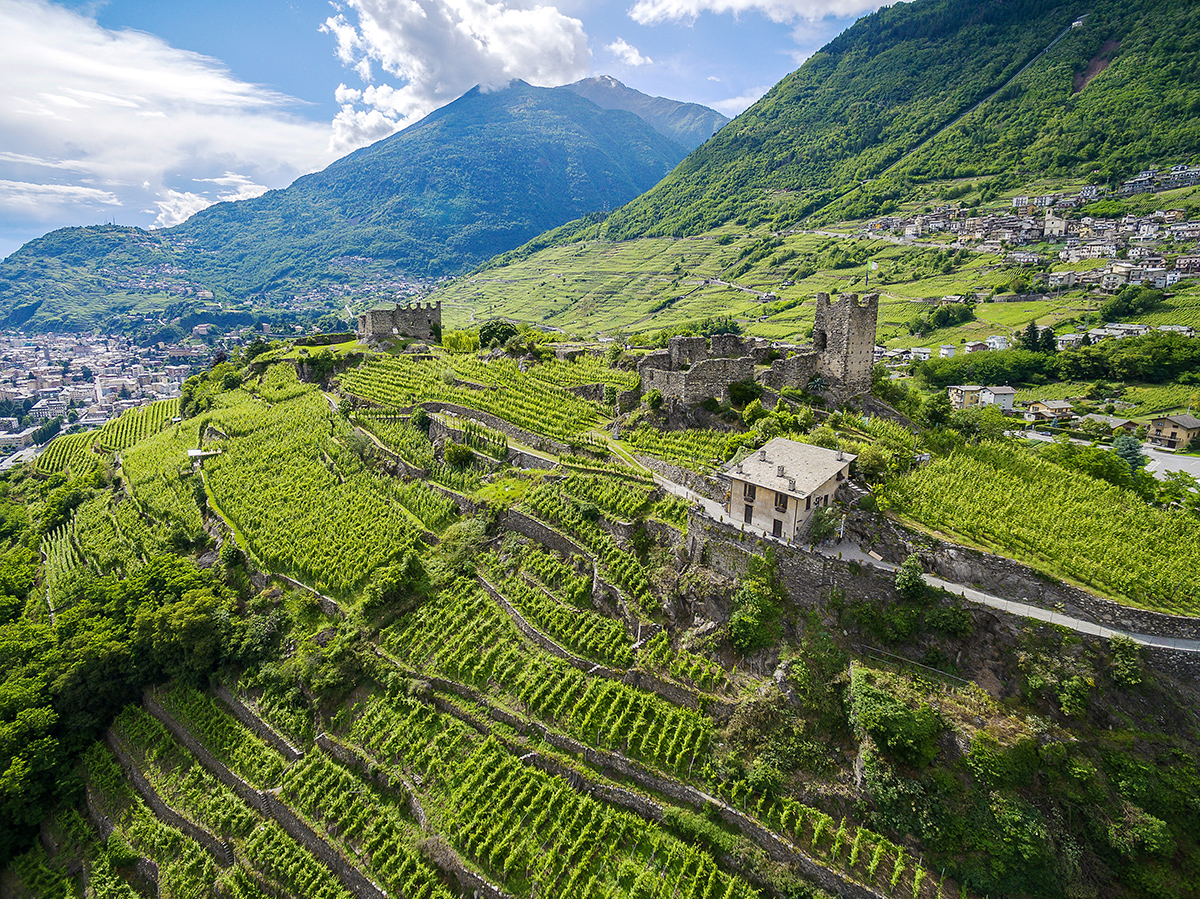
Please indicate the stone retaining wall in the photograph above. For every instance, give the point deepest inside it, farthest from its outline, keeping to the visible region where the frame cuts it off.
(708, 486)
(617, 764)
(220, 850)
(809, 578)
(1010, 579)
(328, 604)
(252, 720)
(268, 804)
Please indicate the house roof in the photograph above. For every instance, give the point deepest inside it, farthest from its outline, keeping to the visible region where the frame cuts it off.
(965, 387)
(1055, 404)
(997, 391)
(1184, 421)
(807, 466)
(1112, 421)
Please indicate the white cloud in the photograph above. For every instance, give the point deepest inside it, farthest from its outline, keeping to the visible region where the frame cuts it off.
(39, 200)
(437, 50)
(733, 105)
(126, 116)
(237, 187)
(175, 206)
(647, 12)
(627, 53)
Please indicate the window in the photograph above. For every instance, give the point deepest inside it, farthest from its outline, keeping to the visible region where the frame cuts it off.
(840, 476)
(749, 513)
(749, 491)
(807, 503)
(780, 502)
(777, 528)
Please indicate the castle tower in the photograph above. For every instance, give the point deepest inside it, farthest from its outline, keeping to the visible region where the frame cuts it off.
(844, 335)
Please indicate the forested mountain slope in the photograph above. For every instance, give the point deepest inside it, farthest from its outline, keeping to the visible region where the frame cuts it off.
(479, 176)
(1114, 95)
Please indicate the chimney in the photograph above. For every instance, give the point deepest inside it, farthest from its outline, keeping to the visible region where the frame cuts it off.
(792, 484)
(778, 471)
(839, 454)
(762, 455)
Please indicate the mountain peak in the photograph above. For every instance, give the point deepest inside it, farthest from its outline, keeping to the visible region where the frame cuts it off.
(689, 124)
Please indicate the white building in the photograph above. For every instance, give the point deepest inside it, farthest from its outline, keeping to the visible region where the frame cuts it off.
(777, 489)
(998, 396)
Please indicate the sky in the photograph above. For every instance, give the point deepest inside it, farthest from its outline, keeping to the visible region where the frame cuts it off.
(142, 113)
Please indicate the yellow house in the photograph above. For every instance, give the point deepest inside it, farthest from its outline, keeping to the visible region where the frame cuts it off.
(963, 396)
(1173, 431)
(778, 488)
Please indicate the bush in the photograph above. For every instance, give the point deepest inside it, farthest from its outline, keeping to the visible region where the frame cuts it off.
(458, 455)
(742, 392)
(1126, 665)
(654, 399)
(420, 419)
(909, 735)
(910, 578)
(757, 606)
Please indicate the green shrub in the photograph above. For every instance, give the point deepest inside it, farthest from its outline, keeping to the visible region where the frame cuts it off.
(907, 734)
(458, 455)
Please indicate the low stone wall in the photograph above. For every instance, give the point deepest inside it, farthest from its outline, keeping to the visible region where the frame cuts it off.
(617, 764)
(708, 486)
(251, 719)
(373, 773)
(220, 850)
(537, 441)
(536, 530)
(1010, 579)
(328, 604)
(268, 804)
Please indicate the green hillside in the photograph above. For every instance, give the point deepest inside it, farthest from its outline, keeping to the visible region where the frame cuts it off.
(346, 655)
(477, 177)
(893, 82)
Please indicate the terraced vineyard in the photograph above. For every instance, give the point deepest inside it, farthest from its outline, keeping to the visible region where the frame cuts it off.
(527, 402)
(504, 701)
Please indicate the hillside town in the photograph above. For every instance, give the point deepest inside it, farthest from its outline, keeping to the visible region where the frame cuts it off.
(84, 380)
(1157, 249)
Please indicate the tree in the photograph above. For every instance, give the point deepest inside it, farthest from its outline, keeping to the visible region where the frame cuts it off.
(1046, 342)
(1130, 449)
(1031, 338)
(910, 578)
(496, 333)
(935, 411)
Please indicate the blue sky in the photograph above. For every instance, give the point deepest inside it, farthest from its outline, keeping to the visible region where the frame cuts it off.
(144, 112)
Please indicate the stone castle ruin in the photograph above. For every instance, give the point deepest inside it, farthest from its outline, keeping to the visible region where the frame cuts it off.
(692, 369)
(420, 320)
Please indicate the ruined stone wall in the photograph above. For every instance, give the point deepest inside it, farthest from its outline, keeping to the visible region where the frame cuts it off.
(687, 350)
(794, 371)
(712, 377)
(844, 335)
(421, 320)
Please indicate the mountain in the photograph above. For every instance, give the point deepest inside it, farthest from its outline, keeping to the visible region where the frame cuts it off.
(474, 178)
(939, 89)
(689, 124)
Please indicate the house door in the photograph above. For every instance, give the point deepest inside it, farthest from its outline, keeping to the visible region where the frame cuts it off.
(777, 528)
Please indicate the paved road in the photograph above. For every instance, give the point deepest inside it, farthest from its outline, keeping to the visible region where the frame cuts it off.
(849, 551)
(1160, 462)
